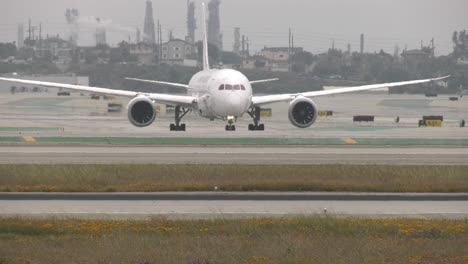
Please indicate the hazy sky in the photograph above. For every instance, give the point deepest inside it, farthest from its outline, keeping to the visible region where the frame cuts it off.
(316, 23)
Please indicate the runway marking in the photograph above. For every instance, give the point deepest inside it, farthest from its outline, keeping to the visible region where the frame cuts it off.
(29, 139)
(349, 141)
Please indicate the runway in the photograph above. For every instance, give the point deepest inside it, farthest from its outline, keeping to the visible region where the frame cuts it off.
(232, 205)
(85, 154)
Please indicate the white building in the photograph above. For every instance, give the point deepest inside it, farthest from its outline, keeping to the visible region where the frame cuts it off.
(179, 52)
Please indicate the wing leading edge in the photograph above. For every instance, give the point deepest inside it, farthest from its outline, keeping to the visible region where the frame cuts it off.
(159, 98)
(261, 100)
(179, 85)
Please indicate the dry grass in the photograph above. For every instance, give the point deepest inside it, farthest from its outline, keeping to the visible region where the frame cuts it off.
(378, 178)
(252, 241)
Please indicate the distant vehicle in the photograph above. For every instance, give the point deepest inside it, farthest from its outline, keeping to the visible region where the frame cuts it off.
(218, 94)
(9, 59)
(63, 94)
(335, 77)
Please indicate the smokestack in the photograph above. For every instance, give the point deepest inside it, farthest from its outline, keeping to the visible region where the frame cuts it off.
(100, 34)
(237, 41)
(214, 25)
(191, 21)
(72, 16)
(148, 29)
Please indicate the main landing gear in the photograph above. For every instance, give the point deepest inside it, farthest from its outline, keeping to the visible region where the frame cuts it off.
(180, 112)
(255, 114)
(230, 126)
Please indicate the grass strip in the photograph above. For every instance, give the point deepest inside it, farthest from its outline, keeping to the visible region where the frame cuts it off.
(151, 177)
(314, 239)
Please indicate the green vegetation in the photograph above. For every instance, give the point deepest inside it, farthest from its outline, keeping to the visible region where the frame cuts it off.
(28, 69)
(316, 239)
(7, 50)
(149, 177)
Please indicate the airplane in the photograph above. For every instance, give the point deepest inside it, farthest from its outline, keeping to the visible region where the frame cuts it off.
(223, 94)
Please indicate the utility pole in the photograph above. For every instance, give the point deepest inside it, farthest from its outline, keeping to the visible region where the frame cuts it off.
(289, 51)
(160, 42)
(362, 43)
(248, 48)
(292, 44)
(30, 30)
(432, 47)
(40, 39)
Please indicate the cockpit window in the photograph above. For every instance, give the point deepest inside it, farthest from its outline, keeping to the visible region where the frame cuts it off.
(230, 87)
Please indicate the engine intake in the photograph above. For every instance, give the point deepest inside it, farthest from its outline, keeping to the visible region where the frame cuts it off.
(302, 112)
(141, 112)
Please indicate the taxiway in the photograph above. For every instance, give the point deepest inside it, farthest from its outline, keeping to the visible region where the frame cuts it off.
(233, 205)
(85, 154)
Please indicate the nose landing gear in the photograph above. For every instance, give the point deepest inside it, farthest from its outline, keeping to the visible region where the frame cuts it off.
(255, 114)
(180, 112)
(230, 126)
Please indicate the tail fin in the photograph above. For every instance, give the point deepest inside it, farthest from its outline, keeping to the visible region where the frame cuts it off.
(206, 60)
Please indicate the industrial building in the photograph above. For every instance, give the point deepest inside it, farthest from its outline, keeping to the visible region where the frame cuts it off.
(179, 52)
(144, 53)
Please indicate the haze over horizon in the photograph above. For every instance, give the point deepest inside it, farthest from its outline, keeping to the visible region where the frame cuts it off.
(316, 24)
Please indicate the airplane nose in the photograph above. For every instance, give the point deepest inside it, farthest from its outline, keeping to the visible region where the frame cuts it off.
(233, 103)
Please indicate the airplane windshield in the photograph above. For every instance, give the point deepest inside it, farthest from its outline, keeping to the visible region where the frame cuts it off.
(230, 87)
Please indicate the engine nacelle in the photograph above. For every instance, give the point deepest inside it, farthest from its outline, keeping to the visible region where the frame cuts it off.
(302, 112)
(141, 112)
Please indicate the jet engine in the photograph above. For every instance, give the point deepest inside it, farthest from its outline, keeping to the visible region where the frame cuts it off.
(141, 112)
(302, 112)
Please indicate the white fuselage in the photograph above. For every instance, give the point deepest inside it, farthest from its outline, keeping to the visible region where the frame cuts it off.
(221, 93)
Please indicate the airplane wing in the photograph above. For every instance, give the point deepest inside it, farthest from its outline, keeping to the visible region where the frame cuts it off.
(179, 85)
(261, 100)
(264, 81)
(159, 98)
